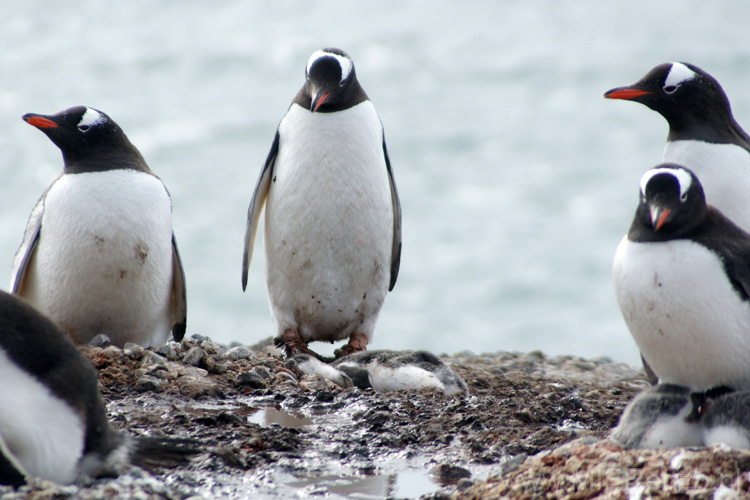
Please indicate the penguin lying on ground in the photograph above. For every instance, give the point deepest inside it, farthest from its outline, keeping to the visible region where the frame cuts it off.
(671, 416)
(333, 216)
(99, 255)
(53, 423)
(658, 417)
(682, 280)
(386, 371)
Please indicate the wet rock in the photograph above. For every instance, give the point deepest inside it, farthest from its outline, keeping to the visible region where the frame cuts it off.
(250, 379)
(450, 474)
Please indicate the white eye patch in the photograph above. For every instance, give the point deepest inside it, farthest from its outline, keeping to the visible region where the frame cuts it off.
(345, 63)
(684, 179)
(678, 75)
(90, 118)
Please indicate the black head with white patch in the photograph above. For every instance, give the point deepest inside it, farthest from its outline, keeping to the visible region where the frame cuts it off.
(330, 82)
(89, 139)
(691, 100)
(672, 204)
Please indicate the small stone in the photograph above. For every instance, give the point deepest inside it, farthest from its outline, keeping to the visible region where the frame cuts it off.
(171, 350)
(285, 378)
(100, 340)
(263, 372)
(195, 388)
(250, 379)
(239, 352)
(451, 474)
(111, 352)
(133, 351)
(150, 359)
(216, 364)
(194, 356)
(149, 383)
(464, 483)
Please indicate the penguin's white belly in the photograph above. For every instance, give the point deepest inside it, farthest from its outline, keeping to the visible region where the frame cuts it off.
(329, 223)
(724, 172)
(43, 433)
(691, 326)
(103, 263)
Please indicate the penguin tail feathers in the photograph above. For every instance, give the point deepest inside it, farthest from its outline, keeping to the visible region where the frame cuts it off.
(151, 453)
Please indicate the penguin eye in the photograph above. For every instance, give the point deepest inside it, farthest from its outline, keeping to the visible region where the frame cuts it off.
(683, 197)
(670, 89)
(84, 128)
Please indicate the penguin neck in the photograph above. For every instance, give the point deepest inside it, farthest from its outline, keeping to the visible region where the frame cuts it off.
(714, 128)
(110, 160)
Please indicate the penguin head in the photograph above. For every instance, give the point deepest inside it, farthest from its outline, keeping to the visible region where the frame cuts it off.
(681, 92)
(330, 79)
(88, 138)
(672, 201)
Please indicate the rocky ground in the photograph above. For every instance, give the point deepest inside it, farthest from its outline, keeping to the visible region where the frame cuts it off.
(532, 427)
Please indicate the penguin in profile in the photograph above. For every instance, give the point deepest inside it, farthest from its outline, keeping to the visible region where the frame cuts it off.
(99, 254)
(332, 213)
(53, 423)
(387, 371)
(703, 134)
(682, 281)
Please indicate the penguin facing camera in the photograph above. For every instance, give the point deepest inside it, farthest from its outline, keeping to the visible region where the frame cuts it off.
(332, 213)
(682, 281)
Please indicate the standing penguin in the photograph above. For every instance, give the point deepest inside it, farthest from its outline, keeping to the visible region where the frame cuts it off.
(99, 254)
(333, 216)
(53, 423)
(682, 280)
(703, 134)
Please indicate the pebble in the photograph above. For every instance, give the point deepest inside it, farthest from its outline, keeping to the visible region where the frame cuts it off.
(133, 351)
(111, 352)
(149, 383)
(100, 340)
(239, 352)
(217, 364)
(250, 379)
(194, 356)
(171, 350)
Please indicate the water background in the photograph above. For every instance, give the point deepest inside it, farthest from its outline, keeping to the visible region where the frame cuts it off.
(517, 178)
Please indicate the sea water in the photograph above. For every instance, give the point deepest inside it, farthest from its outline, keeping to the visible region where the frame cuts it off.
(517, 178)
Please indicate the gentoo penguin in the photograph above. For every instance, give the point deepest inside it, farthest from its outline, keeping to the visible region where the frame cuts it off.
(727, 420)
(703, 134)
(53, 423)
(659, 417)
(99, 255)
(333, 217)
(682, 280)
(386, 371)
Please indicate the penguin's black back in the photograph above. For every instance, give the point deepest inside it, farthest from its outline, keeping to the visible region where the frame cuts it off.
(45, 352)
